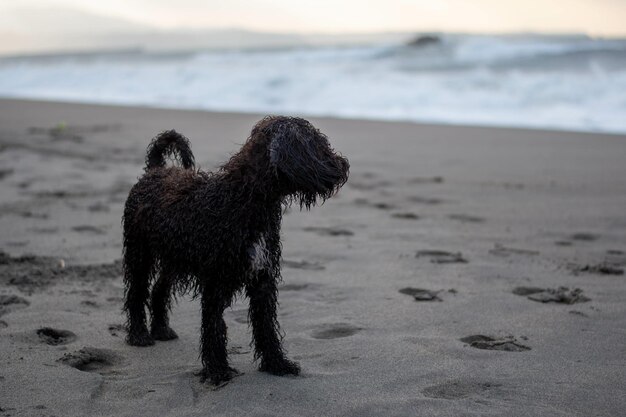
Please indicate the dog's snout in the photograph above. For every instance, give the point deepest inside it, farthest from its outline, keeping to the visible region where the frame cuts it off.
(344, 164)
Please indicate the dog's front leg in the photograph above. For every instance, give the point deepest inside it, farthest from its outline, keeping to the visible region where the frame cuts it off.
(213, 339)
(263, 295)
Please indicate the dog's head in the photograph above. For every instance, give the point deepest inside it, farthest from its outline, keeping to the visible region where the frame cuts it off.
(298, 157)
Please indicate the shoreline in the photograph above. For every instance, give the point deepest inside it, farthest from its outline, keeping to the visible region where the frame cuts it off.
(313, 116)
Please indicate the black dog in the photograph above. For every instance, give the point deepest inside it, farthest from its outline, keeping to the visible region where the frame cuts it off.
(215, 234)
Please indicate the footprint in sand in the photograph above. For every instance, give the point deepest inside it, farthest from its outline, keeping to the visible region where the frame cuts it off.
(507, 343)
(237, 350)
(306, 265)
(380, 205)
(9, 301)
(454, 390)
(466, 218)
(30, 272)
(429, 201)
(32, 215)
(383, 206)
(335, 331)
(294, 287)
(329, 231)
(420, 294)
(117, 330)
(55, 337)
(441, 257)
(561, 295)
(584, 237)
(72, 133)
(90, 359)
(98, 207)
(368, 185)
(44, 230)
(5, 173)
(240, 316)
(504, 251)
(425, 180)
(604, 268)
(89, 229)
(405, 216)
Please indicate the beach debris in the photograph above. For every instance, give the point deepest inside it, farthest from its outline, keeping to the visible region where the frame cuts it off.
(441, 257)
(506, 343)
(420, 294)
(561, 295)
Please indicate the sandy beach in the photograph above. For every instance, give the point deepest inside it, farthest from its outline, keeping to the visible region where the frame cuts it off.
(460, 271)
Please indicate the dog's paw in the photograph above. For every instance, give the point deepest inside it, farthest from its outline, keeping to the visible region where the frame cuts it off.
(140, 339)
(280, 367)
(219, 378)
(163, 333)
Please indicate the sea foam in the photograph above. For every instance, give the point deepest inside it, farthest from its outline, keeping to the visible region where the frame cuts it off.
(557, 82)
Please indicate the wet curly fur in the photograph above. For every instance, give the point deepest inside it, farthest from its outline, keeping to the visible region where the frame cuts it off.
(216, 234)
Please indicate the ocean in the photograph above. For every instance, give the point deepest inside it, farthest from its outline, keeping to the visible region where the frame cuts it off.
(569, 82)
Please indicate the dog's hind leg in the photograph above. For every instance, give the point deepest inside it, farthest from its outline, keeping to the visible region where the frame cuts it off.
(263, 295)
(160, 305)
(213, 338)
(138, 266)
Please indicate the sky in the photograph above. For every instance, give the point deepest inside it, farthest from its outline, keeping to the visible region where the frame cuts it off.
(28, 23)
(601, 17)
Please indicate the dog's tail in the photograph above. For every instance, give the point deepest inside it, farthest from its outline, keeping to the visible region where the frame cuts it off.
(169, 143)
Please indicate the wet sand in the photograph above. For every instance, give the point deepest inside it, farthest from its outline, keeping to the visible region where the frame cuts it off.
(460, 271)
